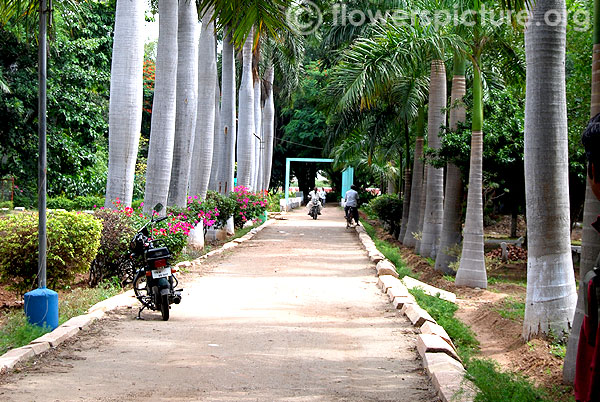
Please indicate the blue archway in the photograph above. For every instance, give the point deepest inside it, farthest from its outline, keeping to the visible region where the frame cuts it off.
(347, 174)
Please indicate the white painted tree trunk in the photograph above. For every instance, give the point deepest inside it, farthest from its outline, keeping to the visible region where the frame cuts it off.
(245, 142)
(268, 126)
(258, 137)
(187, 99)
(205, 125)
(414, 209)
(434, 207)
(162, 129)
(218, 142)
(126, 95)
(551, 296)
(228, 116)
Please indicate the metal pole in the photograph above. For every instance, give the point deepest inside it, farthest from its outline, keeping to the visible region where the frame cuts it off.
(42, 163)
(287, 183)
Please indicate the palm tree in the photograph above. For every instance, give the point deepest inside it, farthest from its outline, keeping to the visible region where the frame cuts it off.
(471, 271)
(218, 142)
(162, 131)
(434, 206)
(451, 225)
(551, 295)
(186, 103)
(590, 241)
(228, 114)
(257, 138)
(268, 118)
(421, 216)
(245, 150)
(205, 126)
(126, 93)
(416, 190)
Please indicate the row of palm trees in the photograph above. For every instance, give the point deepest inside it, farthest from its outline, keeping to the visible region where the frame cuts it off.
(381, 60)
(198, 127)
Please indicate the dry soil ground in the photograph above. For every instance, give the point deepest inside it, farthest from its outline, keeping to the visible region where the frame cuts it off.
(292, 315)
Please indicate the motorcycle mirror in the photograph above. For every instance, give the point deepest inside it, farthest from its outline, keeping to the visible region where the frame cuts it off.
(158, 207)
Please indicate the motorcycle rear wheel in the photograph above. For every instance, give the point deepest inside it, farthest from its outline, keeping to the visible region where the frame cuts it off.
(164, 307)
(140, 289)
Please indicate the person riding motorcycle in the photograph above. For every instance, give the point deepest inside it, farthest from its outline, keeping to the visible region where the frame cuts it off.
(314, 200)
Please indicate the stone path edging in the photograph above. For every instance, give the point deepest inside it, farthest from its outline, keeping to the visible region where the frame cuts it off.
(72, 327)
(435, 347)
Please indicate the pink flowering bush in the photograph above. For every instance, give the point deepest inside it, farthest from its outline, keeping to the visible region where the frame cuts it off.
(213, 211)
(119, 226)
(249, 206)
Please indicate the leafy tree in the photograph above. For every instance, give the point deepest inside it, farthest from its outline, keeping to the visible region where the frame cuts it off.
(78, 83)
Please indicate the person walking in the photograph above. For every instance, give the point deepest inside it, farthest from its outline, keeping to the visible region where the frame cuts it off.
(322, 196)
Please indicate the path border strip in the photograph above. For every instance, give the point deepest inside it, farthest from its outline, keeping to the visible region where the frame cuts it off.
(440, 358)
(71, 328)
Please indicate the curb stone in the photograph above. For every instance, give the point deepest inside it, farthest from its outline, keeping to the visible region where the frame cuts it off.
(440, 360)
(72, 327)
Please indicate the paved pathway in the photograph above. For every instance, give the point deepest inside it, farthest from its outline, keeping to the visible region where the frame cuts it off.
(292, 315)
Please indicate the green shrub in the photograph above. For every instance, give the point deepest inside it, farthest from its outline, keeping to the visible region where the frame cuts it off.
(73, 241)
(6, 204)
(111, 261)
(365, 196)
(388, 208)
(88, 202)
(60, 202)
(137, 204)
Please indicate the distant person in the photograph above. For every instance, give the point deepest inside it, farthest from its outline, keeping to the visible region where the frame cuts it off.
(351, 207)
(587, 365)
(322, 196)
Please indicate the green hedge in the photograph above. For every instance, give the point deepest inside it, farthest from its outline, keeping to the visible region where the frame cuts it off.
(73, 241)
(388, 208)
(80, 203)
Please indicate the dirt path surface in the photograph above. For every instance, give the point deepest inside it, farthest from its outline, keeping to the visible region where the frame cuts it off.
(292, 315)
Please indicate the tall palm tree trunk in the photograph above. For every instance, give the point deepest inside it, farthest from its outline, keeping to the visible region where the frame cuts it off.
(187, 98)
(257, 138)
(434, 209)
(162, 129)
(126, 94)
(452, 225)
(268, 126)
(422, 211)
(245, 142)
(218, 142)
(471, 271)
(228, 115)
(406, 199)
(551, 296)
(414, 212)
(590, 242)
(205, 125)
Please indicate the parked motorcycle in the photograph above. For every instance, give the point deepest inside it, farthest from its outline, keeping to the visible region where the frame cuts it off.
(154, 282)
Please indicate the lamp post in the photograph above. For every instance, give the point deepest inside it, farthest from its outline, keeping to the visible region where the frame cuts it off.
(41, 304)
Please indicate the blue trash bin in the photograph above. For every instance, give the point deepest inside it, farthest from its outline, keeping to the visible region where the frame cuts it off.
(41, 307)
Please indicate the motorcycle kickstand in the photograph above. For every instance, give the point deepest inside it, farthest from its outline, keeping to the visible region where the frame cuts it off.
(139, 316)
